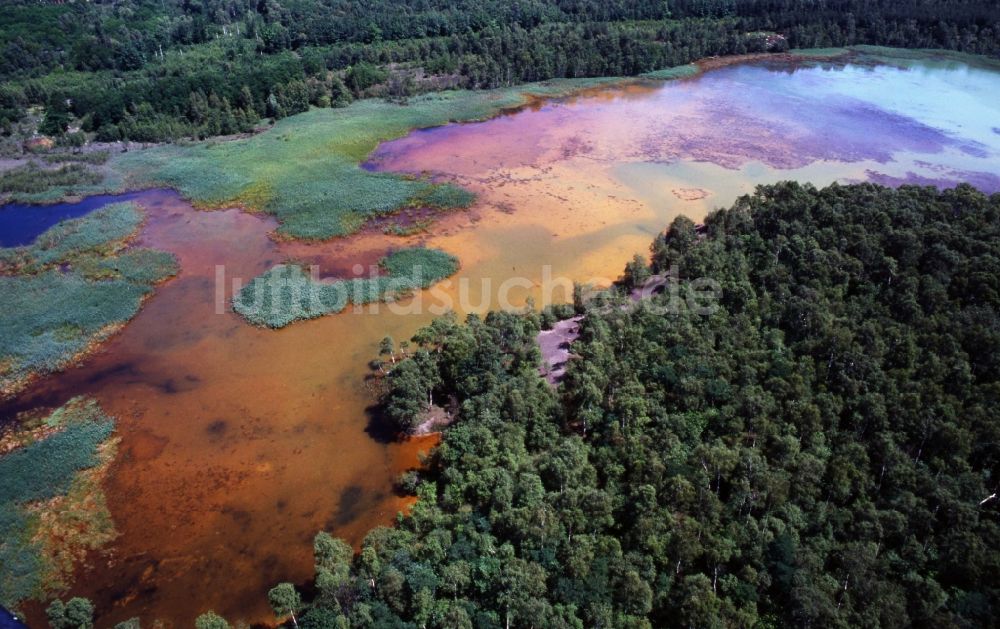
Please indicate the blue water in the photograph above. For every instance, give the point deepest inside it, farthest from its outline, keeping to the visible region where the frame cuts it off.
(10, 621)
(21, 224)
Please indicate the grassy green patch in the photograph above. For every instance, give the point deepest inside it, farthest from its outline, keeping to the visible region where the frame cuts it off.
(45, 468)
(32, 179)
(425, 265)
(826, 53)
(676, 72)
(287, 293)
(140, 266)
(49, 318)
(33, 184)
(909, 57)
(305, 170)
(89, 157)
(443, 196)
(37, 472)
(70, 288)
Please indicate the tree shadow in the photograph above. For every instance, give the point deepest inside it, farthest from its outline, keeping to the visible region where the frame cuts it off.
(379, 427)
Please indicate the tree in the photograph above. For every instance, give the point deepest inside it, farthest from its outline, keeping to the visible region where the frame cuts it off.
(636, 273)
(333, 564)
(210, 620)
(285, 601)
(340, 96)
(56, 119)
(387, 347)
(417, 376)
(363, 75)
(765, 464)
(77, 613)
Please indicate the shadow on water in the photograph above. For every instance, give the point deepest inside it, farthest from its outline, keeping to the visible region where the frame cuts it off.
(379, 427)
(354, 502)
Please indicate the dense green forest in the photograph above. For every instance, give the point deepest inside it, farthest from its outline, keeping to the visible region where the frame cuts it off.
(821, 451)
(151, 70)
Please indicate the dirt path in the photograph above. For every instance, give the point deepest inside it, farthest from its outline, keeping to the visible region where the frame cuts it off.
(555, 346)
(432, 420)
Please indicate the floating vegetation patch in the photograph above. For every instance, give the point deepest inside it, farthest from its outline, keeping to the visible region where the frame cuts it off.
(52, 509)
(288, 293)
(71, 288)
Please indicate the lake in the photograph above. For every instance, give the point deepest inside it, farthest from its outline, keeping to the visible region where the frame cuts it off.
(239, 444)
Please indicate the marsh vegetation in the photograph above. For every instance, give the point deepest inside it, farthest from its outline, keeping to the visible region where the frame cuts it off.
(306, 172)
(496, 536)
(288, 293)
(51, 509)
(69, 289)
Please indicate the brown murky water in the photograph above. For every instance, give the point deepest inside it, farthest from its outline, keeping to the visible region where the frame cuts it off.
(238, 444)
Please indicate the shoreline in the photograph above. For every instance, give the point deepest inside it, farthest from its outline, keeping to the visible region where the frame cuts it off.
(528, 94)
(127, 180)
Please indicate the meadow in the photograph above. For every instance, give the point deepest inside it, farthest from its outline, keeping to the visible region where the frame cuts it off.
(72, 287)
(45, 465)
(676, 72)
(306, 170)
(287, 293)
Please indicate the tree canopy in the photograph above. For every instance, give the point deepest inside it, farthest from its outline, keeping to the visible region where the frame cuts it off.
(151, 70)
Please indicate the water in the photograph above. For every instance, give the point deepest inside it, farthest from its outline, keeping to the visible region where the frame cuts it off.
(20, 224)
(238, 444)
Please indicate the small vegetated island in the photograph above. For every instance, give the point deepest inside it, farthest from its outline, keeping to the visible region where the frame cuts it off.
(287, 293)
(821, 450)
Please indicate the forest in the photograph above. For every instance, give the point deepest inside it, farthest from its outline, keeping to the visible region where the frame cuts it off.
(152, 70)
(821, 450)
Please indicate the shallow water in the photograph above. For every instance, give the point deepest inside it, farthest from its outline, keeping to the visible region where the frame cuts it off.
(20, 224)
(238, 444)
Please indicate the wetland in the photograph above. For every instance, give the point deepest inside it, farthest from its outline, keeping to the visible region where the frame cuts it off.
(238, 443)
